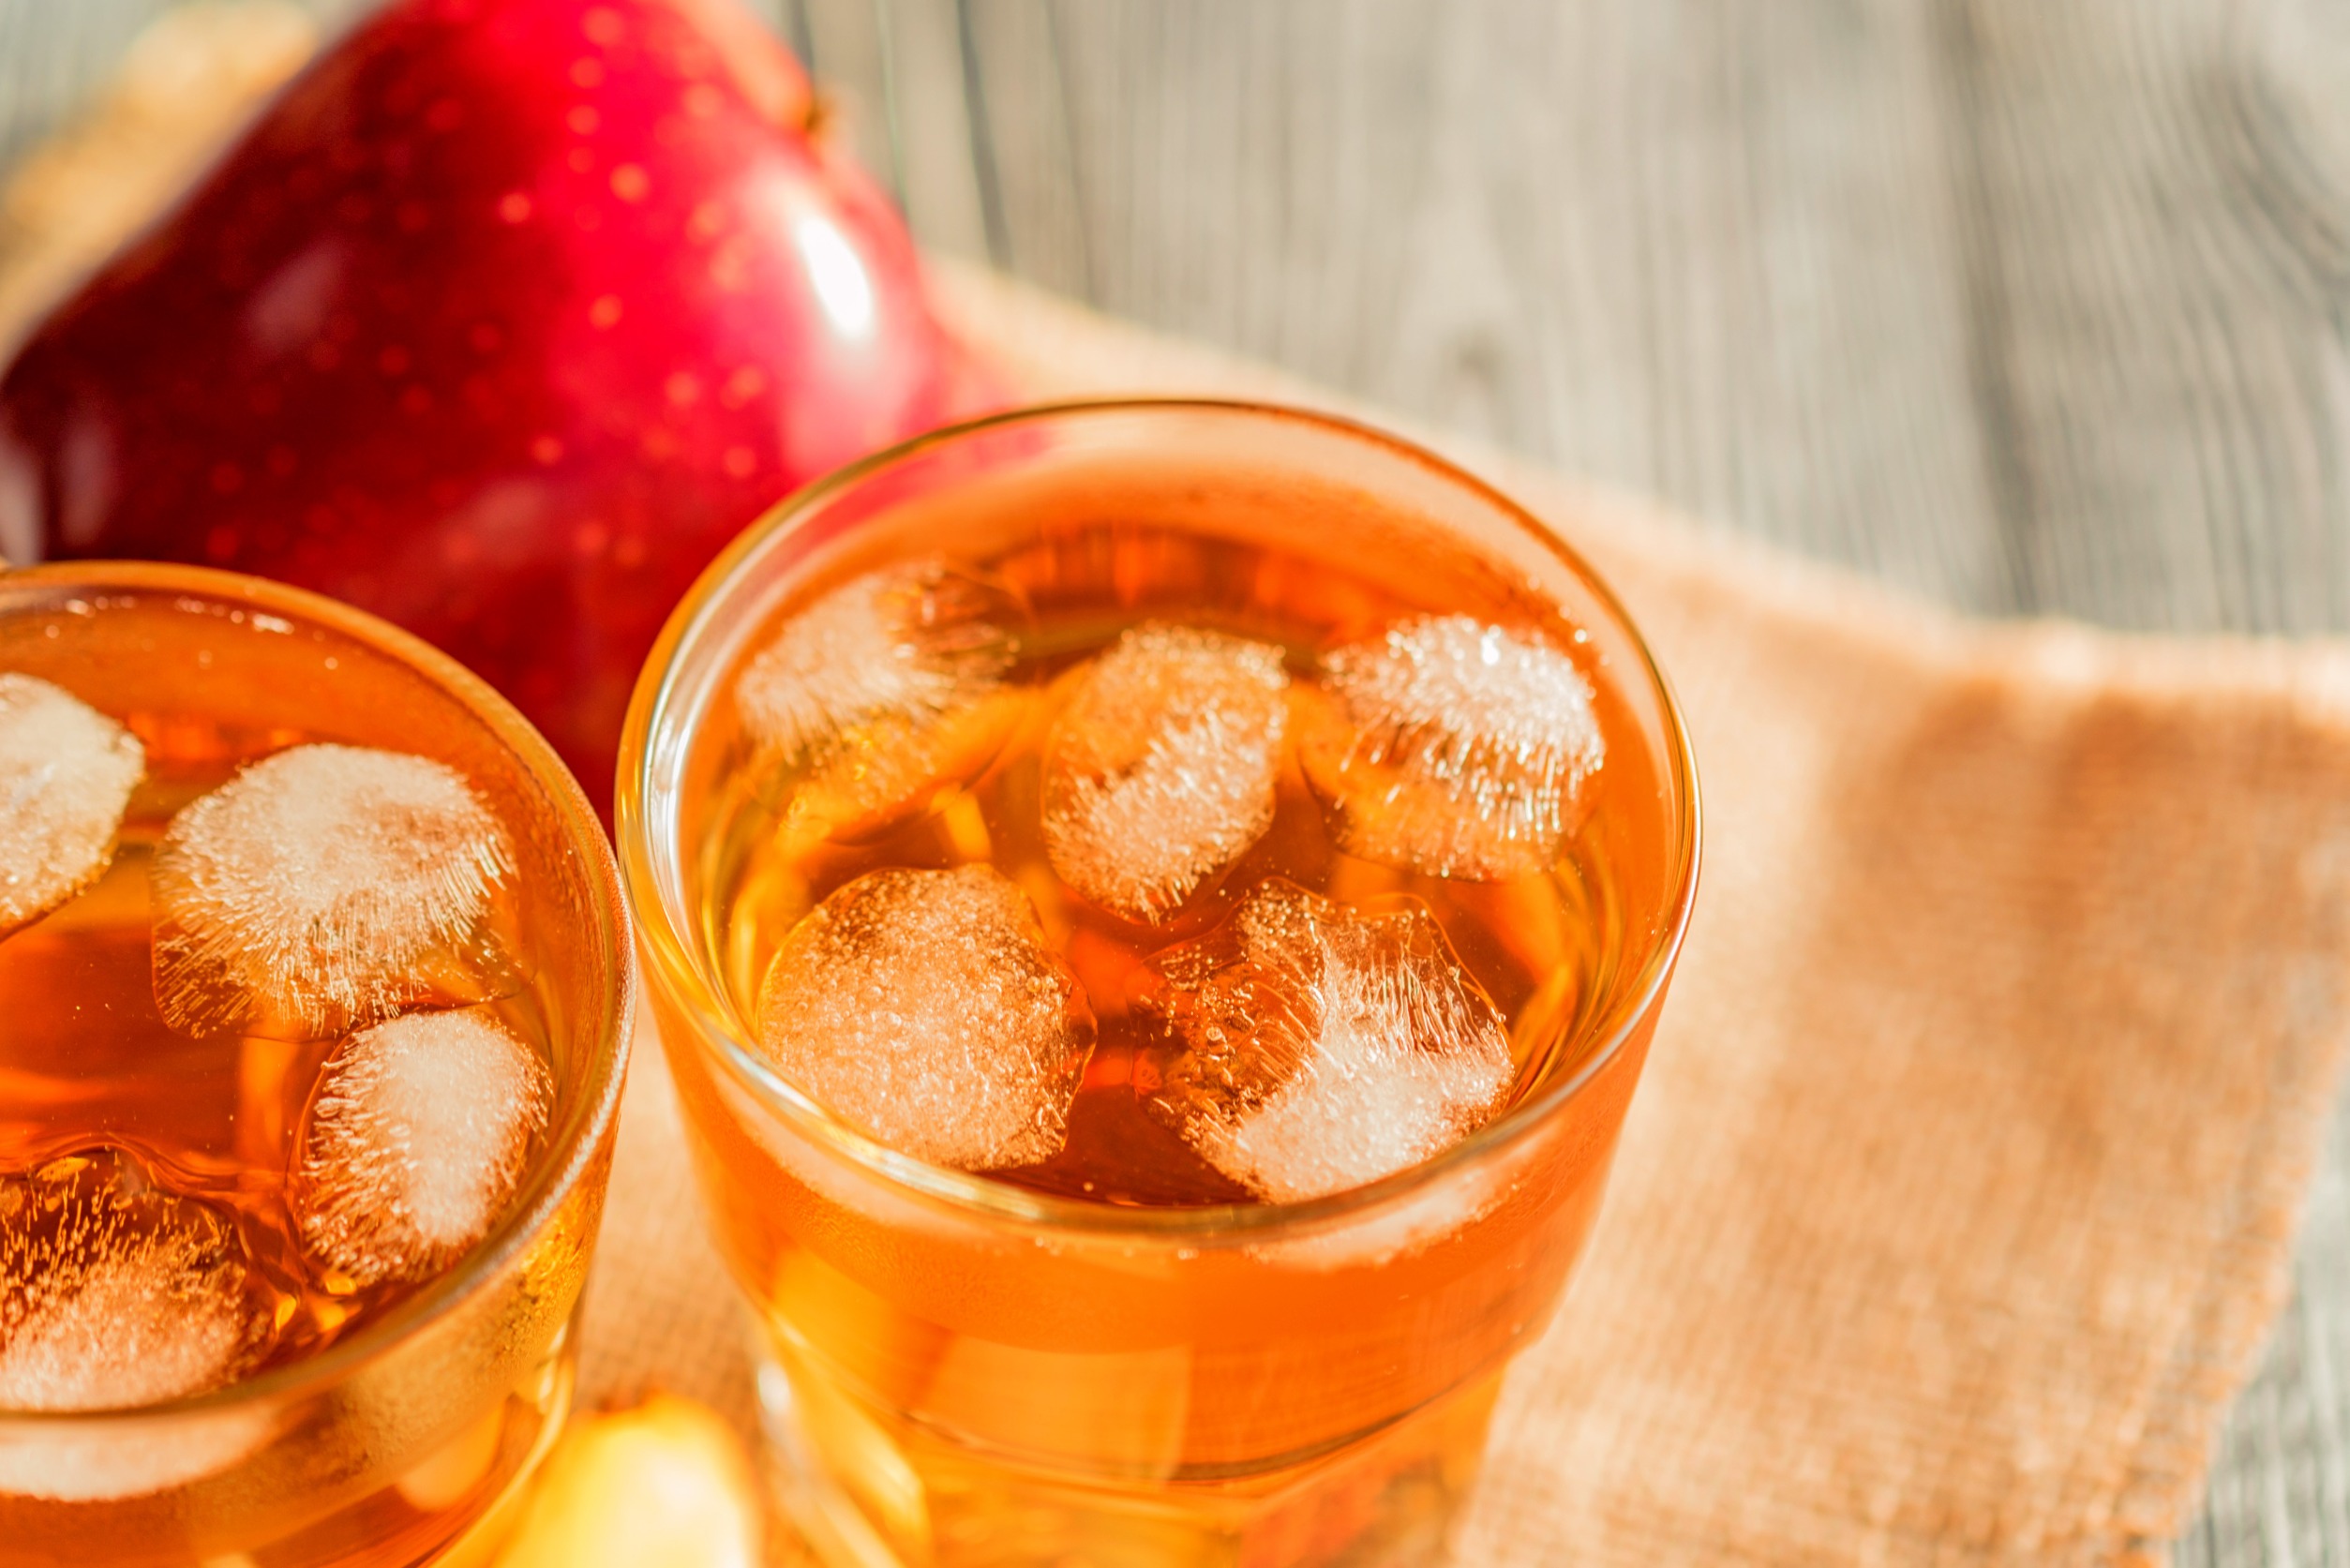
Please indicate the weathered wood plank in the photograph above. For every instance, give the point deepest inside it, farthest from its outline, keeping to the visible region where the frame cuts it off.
(2031, 307)
(1690, 265)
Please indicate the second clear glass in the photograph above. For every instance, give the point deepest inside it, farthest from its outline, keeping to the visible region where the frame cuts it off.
(959, 1370)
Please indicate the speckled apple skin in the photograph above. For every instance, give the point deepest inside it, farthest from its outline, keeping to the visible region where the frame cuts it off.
(499, 323)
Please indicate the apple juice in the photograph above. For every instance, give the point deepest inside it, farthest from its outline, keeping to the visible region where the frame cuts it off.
(298, 1006)
(1157, 942)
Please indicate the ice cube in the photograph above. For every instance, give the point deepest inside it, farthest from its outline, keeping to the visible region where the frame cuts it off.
(66, 771)
(924, 1008)
(1320, 1048)
(914, 641)
(1161, 772)
(115, 1293)
(418, 1137)
(882, 693)
(1456, 748)
(326, 888)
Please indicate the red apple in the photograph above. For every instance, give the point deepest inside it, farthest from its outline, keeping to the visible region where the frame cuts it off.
(499, 323)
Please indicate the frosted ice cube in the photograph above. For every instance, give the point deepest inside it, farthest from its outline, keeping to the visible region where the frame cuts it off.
(326, 888)
(115, 1293)
(1321, 1048)
(924, 1008)
(1161, 772)
(915, 642)
(66, 771)
(1458, 748)
(419, 1136)
(881, 691)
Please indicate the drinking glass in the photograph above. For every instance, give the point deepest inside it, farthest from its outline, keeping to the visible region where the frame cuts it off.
(957, 1370)
(411, 1438)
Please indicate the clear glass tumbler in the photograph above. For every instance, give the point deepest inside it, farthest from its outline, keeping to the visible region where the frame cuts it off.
(407, 1439)
(959, 1369)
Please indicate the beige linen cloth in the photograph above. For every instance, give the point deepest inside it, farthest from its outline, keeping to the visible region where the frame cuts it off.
(1964, 1178)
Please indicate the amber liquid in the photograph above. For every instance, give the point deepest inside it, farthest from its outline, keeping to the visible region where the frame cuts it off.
(1536, 946)
(978, 1398)
(91, 1076)
(87, 1061)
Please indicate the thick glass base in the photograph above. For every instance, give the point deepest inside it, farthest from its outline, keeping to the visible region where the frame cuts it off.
(868, 1491)
(451, 1505)
(456, 1509)
(479, 1545)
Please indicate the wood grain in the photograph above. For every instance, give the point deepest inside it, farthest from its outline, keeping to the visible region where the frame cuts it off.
(2031, 307)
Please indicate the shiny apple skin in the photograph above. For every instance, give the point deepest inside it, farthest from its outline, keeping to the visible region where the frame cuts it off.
(499, 323)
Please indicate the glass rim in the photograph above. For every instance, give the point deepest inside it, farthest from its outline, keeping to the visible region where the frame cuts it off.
(571, 1144)
(669, 955)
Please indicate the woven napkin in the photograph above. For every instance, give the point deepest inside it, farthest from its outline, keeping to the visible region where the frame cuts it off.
(1963, 1180)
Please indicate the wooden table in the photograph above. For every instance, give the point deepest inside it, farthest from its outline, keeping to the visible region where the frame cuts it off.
(2032, 306)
